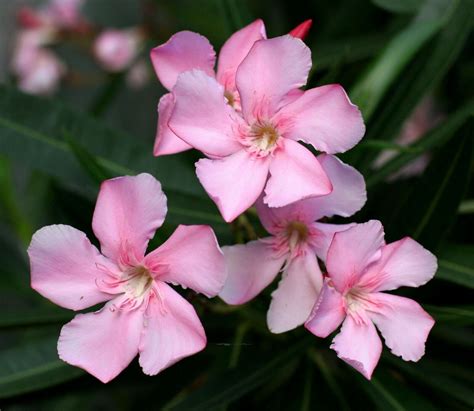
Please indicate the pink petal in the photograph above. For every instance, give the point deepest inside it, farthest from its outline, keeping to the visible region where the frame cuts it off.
(65, 267)
(351, 251)
(295, 175)
(296, 294)
(102, 343)
(403, 263)
(234, 182)
(166, 142)
(127, 213)
(191, 258)
(251, 267)
(323, 117)
(359, 345)
(324, 234)
(201, 116)
(172, 331)
(328, 312)
(272, 69)
(184, 51)
(348, 195)
(403, 323)
(235, 49)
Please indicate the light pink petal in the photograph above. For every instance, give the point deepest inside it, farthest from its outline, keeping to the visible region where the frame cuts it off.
(184, 51)
(328, 312)
(272, 69)
(403, 323)
(166, 142)
(235, 49)
(234, 182)
(251, 267)
(324, 234)
(323, 117)
(191, 258)
(351, 251)
(273, 218)
(403, 263)
(296, 294)
(65, 267)
(359, 345)
(172, 331)
(127, 213)
(102, 343)
(348, 195)
(201, 116)
(295, 175)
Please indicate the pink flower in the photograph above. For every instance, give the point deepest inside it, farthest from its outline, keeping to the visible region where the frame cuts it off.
(143, 314)
(66, 14)
(360, 265)
(185, 51)
(295, 242)
(256, 150)
(302, 30)
(116, 49)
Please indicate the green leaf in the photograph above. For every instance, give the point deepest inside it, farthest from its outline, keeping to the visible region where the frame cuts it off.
(399, 6)
(222, 389)
(34, 317)
(425, 72)
(431, 208)
(30, 134)
(460, 315)
(32, 367)
(452, 380)
(370, 89)
(433, 139)
(86, 160)
(456, 264)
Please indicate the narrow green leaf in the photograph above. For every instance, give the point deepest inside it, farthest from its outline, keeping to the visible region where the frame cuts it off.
(466, 207)
(399, 6)
(453, 381)
(370, 89)
(433, 139)
(461, 315)
(456, 264)
(431, 207)
(32, 367)
(222, 389)
(34, 317)
(88, 162)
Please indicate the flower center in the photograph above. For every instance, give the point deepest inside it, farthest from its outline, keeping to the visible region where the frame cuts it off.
(297, 233)
(262, 138)
(139, 281)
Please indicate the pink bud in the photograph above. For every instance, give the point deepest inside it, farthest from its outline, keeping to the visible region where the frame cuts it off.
(302, 30)
(115, 49)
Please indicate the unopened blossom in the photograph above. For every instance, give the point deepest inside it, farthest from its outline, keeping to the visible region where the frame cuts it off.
(360, 267)
(257, 150)
(139, 75)
(116, 49)
(66, 14)
(187, 50)
(143, 314)
(296, 239)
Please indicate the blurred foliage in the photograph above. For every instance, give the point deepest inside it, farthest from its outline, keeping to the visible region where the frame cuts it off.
(54, 152)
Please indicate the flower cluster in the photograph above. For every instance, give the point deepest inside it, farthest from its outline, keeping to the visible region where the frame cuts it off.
(248, 118)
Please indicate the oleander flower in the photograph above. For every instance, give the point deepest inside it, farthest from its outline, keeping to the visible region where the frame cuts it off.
(257, 150)
(296, 239)
(360, 266)
(187, 50)
(143, 314)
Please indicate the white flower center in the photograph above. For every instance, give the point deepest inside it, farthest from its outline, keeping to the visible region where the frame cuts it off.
(296, 233)
(139, 281)
(263, 138)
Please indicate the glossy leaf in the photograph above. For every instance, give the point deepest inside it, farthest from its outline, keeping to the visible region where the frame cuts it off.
(456, 264)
